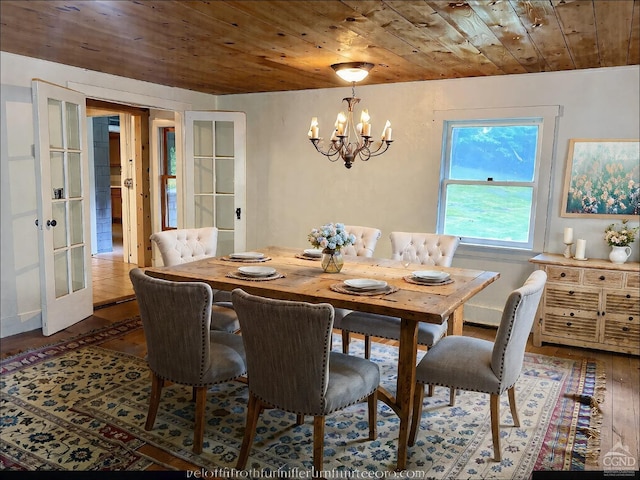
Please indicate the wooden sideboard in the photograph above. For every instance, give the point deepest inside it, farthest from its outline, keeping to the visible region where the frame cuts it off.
(589, 303)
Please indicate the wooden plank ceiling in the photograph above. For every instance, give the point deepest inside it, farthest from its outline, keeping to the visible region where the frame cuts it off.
(225, 47)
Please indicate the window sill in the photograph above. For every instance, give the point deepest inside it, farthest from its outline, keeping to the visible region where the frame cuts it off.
(490, 252)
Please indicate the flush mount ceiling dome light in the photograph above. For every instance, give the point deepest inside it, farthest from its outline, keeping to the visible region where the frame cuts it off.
(340, 146)
(352, 71)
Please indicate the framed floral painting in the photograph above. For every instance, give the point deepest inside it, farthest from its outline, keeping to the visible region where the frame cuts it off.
(602, 178)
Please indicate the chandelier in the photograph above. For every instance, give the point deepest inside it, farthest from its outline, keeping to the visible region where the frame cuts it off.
(340, 145)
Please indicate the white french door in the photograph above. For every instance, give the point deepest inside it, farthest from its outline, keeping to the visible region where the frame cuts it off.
(214, 176)
(63, 206)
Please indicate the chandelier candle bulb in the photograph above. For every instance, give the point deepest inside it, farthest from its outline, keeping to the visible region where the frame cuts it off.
(568, 235)
(313, 129)
(387, 134)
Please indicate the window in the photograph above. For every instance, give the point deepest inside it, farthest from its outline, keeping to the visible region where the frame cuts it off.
(168, 179)
(489, 185)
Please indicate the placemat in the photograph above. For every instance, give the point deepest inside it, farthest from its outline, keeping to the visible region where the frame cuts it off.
(342, 288)
(238, 276)
(410, 279)
(307, 257)
(246, 260)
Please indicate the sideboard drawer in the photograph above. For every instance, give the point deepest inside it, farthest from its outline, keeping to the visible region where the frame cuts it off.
(571, 298)
(633, 281)
(563, 274)
(563, 326)
(603, 278)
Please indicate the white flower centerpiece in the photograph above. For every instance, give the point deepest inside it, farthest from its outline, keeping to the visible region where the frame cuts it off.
(331, 238)
(619, 238)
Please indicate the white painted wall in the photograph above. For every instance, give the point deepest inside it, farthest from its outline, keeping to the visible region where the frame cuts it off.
(291, 188)
(19, 262)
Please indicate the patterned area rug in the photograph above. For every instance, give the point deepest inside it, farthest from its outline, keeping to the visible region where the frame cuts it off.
(76, 406)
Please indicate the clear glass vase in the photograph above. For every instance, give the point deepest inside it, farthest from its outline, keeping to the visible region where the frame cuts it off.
(332, 260)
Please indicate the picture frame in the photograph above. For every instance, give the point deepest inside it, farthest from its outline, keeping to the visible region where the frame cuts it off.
(602, 178)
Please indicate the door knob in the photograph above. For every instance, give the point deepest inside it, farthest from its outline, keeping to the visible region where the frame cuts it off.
(51, 223)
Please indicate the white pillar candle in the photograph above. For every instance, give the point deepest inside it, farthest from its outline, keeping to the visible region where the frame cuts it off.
(568, 235)
(581, 247)
(387, 134)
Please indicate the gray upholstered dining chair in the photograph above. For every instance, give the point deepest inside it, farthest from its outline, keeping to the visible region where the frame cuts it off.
(191, 244)
(426, 249)
(181, 347)
(290, 366)
(479, 365)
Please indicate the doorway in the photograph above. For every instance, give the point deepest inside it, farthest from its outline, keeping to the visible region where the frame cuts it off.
(121, 210)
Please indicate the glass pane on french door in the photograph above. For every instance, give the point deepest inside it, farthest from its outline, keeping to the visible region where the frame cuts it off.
(67, 205)
(213, 179)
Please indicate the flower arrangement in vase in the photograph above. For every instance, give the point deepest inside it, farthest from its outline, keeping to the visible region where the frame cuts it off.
(331, 237)
(619, 238)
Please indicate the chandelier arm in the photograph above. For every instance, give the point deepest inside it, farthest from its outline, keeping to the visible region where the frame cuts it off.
(332, 153)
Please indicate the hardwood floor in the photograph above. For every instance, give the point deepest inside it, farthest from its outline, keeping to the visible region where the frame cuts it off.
(621, 415)
(110, 274)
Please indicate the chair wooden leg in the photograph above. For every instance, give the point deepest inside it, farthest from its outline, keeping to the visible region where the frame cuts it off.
(318, 443)
(299, 419)
(201, 404)
(495, 426)
(430, 390)
(418, 398)
(367, 347)
(373, 415)
(154, 400)
(452, 396)
(253, 412)
(345, 341)
(513, 406)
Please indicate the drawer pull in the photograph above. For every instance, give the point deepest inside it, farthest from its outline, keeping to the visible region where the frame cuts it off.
(571, 314)
(628, 296)
(571, 292)
(569, 324)
(625, 329)
(563, 274)
(602, 277)
(631, 319)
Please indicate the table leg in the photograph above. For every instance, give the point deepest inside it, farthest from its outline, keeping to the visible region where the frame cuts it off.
(407, 355)
(456, 321)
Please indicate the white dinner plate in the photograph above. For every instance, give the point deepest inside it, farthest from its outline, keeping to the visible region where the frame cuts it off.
(246, 255)
(365, 283)
(257, 271)
(313, 252)
(431, 275)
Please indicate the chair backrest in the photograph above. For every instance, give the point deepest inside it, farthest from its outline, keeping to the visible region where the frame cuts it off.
(517, 319)
(176, 317)
(428, 248)
(287, 346)
(366, 240)
(186, 245)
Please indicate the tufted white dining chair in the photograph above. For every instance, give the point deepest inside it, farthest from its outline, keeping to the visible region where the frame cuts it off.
(191, 244)
(478, 365)
(366, 241)
(428, 249)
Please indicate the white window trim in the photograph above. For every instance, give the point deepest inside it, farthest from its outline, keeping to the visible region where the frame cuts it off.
(546, 144)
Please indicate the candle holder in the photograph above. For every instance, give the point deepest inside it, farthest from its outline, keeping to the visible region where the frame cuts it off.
(567, 250)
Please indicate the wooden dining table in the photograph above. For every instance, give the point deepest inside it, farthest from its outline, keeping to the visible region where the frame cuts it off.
(303, 279)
